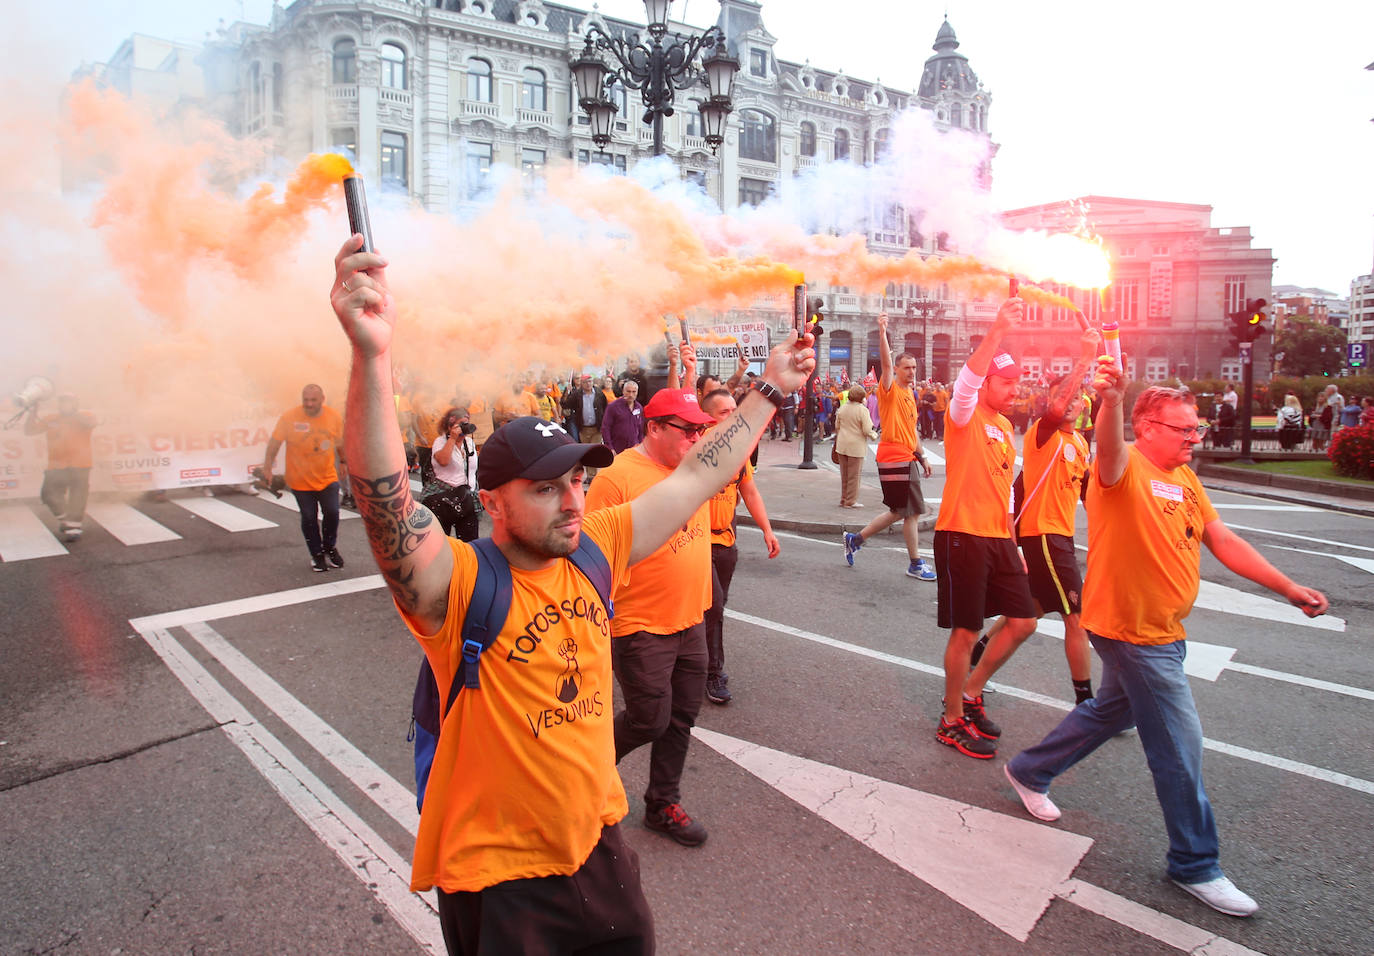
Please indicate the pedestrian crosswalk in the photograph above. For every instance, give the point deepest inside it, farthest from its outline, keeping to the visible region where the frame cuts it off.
(27, 531)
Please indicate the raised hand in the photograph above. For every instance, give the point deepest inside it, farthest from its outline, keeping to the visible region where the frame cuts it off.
(365, 308)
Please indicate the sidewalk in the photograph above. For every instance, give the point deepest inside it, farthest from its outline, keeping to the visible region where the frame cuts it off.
(809, 501)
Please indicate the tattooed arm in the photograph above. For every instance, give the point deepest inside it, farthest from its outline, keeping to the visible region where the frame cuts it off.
(409, 546)
(717, 456)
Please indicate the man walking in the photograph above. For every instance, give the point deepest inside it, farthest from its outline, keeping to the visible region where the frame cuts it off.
(312, 434)
(584, 408)
(1148, 517)
(67, 479)
(623, 425)
(898, 453)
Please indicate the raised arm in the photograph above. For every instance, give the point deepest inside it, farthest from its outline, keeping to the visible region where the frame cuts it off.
(1110, 385)
(718, 455)
(965, 397)
(884, 353)
(407, 543)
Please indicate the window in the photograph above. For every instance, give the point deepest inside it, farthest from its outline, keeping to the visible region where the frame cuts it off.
(534, 92)
(395, 166)
(696, 177)
(1061, 363)
(1231, 369)
(758, 62)
(808, 139)
(758, 138)
(1156, 368)
(879, 145)
(532, 164)
(278, 80)
(479, 81)
(344, 140)
(841, 144)
(1128, 300)
(478, 167)
(1126, 252)
(393, 66)
(752, 192)
(1159, 249)
(345, 61)
(1235, 293)
(956, 115)
(692, 120)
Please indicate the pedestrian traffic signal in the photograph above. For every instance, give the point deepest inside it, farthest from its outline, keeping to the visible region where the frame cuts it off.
(815, 312)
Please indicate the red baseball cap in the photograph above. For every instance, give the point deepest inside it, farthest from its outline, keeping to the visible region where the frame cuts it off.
(681, 402)
(1004, 365)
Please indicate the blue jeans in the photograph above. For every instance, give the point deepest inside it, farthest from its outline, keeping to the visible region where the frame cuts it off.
(1142, 685)
(313, 504)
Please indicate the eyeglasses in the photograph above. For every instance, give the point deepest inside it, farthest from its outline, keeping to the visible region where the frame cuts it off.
(690, 431)
(1196, 431)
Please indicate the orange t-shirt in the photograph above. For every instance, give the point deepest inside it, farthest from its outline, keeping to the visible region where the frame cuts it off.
(404, 416)
(722, 507)
(978, 475)
(1053, 478)
(1144, 548)
(670, 590)
(524, 774)
(311, 444)
(69, 440)
(427, 418)
(897, 412)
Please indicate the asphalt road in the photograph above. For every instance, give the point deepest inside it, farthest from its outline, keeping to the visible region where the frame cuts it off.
(179, 772)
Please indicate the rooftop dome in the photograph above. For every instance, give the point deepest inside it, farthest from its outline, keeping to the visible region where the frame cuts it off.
(947, 70)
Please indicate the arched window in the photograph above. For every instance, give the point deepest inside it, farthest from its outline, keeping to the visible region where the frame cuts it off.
(345, 61)
(808, 139)
(278, 81)
(691, 124)
(255, 89)
(479, 80)
(879, 145)
(534, 92)
(956, 115)
(841, 144)
(758, 137)
(393, 66)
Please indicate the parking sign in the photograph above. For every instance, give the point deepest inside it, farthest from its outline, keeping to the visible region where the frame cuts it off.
(1355, 354)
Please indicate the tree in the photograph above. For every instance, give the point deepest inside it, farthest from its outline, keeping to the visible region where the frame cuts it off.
(1309, 347)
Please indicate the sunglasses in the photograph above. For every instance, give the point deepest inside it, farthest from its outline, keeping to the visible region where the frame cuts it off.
(690, 431)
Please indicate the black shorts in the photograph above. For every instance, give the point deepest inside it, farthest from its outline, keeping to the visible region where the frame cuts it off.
(600, 907)
(1055, 581)
(901, 488)
(978, 578)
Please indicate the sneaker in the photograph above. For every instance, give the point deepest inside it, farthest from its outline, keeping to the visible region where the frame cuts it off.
(1038, 805)
(318, 563)
(965, 739)
(921, 571)
(1221, 895)
(674, 821)
(852, 543)
(717, 692)
(977, 718)
(335, 558)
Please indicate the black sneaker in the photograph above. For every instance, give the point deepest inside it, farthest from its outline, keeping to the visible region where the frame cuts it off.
(965, 739)
(318, 563)
(674, 821)
(335, 558)
(977, 718)
(717, 691)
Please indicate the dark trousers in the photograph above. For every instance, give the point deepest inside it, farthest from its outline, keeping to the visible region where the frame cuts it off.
(723, 561)
(313, 504)
(662, 680)
(455, 512)
(64, 492)
(425, 456)
(598, 911)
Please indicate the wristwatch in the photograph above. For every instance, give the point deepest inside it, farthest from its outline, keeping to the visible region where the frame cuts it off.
(770, 392)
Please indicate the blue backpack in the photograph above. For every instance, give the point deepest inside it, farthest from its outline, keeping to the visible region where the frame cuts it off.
(486, 615)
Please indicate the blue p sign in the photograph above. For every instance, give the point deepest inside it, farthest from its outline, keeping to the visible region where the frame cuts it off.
(1355, 354)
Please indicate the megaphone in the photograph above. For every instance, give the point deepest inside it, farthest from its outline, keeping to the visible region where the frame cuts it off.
(34, 391)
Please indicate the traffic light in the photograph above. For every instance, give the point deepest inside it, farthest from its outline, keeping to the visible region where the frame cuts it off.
(1247, 324)
(815, 312)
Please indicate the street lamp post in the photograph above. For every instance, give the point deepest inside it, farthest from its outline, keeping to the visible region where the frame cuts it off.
(658, 71)
(927, 308)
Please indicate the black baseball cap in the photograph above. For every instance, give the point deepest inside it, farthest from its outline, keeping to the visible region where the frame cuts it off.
(529, 447)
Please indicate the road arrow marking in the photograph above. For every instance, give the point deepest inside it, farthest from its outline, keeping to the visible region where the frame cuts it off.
(1021, 864)
(1206, 661)
(1364, 564)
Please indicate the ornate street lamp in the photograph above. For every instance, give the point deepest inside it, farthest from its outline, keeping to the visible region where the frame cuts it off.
(927, 308)
(658, 72)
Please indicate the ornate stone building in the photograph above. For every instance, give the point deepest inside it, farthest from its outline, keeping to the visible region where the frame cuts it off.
(427, 97)
(1175, 277)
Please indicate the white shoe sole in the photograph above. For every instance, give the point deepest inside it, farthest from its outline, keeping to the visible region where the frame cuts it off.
(1230, 900)
(1037, 805)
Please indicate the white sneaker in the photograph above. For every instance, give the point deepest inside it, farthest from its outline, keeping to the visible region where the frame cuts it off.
(1221, 895)
(1038, 805)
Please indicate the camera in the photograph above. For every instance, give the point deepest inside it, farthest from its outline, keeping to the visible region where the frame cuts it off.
(467, 428)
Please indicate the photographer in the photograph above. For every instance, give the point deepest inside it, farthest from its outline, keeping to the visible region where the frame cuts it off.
(450, 494)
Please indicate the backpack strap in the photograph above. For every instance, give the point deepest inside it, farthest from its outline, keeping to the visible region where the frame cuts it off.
(486, 614)
(591, 561)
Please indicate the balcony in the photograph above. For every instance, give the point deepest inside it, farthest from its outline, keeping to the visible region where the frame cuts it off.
(346, 92)
(400, 98)
(477, 108)
(534, 117)
(694, 142)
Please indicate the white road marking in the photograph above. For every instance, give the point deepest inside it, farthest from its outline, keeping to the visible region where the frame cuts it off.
(1206, 661)
(379, 867)
(1364, 564)
(288, 501)
(1229, 600)
(375, 783)
(1302, 537)
(1269, 760)
(1022, 865)
(23, 536)
(1263, 507)
(258, 602)
(223, 514)
(128, 524)
(1312, 682)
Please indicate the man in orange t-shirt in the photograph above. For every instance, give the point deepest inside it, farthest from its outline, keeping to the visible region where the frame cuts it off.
(659, 650)
(312, 434)
(1148, 517)
(520, 827)
(67, 479)
(981, 572)
(899, 452)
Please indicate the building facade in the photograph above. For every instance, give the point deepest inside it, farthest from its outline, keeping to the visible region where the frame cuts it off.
(1175, 279)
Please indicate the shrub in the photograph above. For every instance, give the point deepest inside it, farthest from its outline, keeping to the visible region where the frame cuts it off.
(1352, 451)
